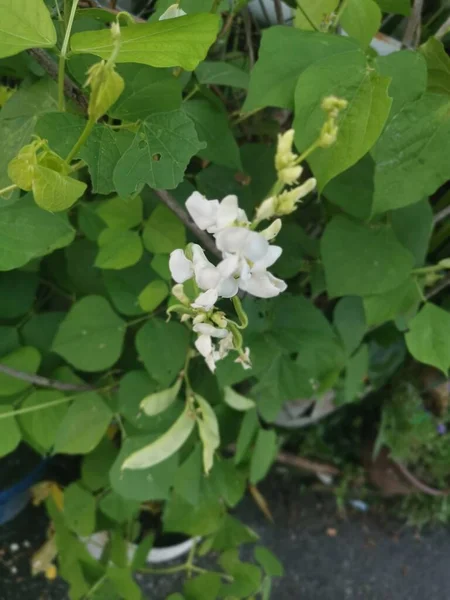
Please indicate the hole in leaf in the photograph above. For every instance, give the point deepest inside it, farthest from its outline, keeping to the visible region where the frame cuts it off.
(156, 157)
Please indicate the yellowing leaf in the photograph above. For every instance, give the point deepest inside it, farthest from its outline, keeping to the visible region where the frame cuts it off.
(181, 42)
(208, 427)
(164, 446)
(55, 192)
(153, 294)
(160, 401)
(237, 401)
(24, 24)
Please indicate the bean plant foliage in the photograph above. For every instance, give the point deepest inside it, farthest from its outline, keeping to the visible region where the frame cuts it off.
(192, 235)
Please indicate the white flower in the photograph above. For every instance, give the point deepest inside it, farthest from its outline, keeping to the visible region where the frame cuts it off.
(272, 231)
(181, 268)
(204, 343)
(257, 281)
(228, 214)
(244, 242)
(206, 300)
(172, 12)
(219, 278)
(202, 211)
(244, 359)
(208, 329)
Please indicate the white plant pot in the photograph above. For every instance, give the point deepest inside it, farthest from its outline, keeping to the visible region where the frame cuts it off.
(95, 545)
(264, 12)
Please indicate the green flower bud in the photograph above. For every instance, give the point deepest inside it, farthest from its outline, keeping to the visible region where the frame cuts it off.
(106, 87)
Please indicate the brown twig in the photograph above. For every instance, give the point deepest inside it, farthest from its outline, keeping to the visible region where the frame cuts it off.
(423, 487)
(171, 203)
(44, 381)
(71, 89)
(441, 215)
(443, 29)
(305, 464)
(279, 11)
(413, 29)
(248, 37)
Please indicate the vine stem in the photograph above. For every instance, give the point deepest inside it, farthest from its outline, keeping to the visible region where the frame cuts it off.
(96, 586)
(63, 55)
(81, 140)
(7, 189)
(44, 381)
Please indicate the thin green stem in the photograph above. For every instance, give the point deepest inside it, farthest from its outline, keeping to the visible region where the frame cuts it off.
(246, 116)
(426, 270)
(81, 140)
(97, 585)
(7, 189)
(243, 319)
(63, 54)
(163, 571)
(338, 16)
(139, 320)
(185, 371)
(215, 6)
(190, 560)
(192, 93)
(308, 151)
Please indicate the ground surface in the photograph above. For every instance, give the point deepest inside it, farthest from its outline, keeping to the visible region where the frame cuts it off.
(325, 557)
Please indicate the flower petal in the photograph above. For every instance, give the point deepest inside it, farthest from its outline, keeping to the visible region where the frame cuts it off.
(227, 213)
(242, 241)
(272, 255)
(228, 287)
(207, 278)
(207, 329)
(180, 267)
(263, 284)
(172, 12)
(229, 265)
(204, 345)
(206, 300)
(256, 246)
(202, 211)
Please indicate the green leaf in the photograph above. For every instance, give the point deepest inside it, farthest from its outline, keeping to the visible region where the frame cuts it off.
(161, 449)
(17, 293)
(428, 339)
(247, 432)
(124, 287)
(410, 154)
(181, 42)
(203, 519)
(83, 277)
(53, 191)
(32, 99)
(91, 336)
(119, 213)
(96, 465)
(189, 476)
(314, 14)
(119, 509)
(283, 55)
(41, 425)
(269, 562)
(142, 552)
(79, 509)
(10, 435)
(229, 481)
(204, 587)
(360, 124)
(152, 483)
(246, 577)
(40, 330)
(15, 133)
(23, 359)
(25, 24)
(357, 371)
(45, 232)
(163, 232)
(153, 294)
(370, 261)
(263, 454)
(118, 249)
(162, 347)
(413, 226)
(353, 189)
(9, 339)
(213, 128)
(159, 153)
(232, 534)
(237, 401)
(208, 427)
(159, 401)
(361, 19)
(401, 301)
(83, 426)
(399, 7)
(350, 321)
(124, 583)
(438, 64)
(221, 73)
(147, 91)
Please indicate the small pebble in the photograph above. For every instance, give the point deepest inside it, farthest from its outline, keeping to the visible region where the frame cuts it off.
(13, 570)
(26, 544)
(14, 547)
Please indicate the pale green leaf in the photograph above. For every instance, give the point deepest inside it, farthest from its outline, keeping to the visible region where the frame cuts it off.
(361, 260)
(118, 249)
(214, 130)
(25, 359)
(120, 213)
(147, 91)
(181, 42)
(41, 424)
(32, 99)
(284, 54)
(428, 338)
(398, 7)
(401, 301)
(10, 435)
(79, 509)
(221, 73)
(410, 156)
(360, 124)
(160, 401)
(202, 587)
(269, 562)
(159, 153)
(237, 401)
(314, 14)
(27, 232)
(208, 427)
(438, 64)
(124, 583)
(263, 454)
(163, 232)
(91, 336)
(15, 133)
(83, 426)
(54, 191)
(153, 294)
(361, 19)
(163, 447)
(24, 24)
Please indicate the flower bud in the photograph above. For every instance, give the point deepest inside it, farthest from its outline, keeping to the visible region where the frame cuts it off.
(266, 210)
(333, 103)
(172, 12)
(106, 87)
(328, 135)
(272, 231)
(290, 175)
(178, 292)
(284, 156)
(287, 201)
(219, 319)
(444, 263)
